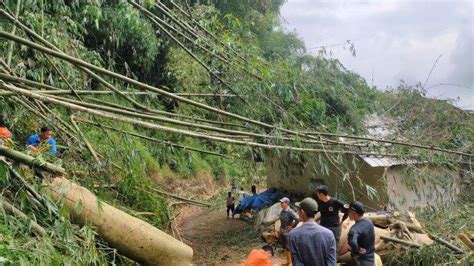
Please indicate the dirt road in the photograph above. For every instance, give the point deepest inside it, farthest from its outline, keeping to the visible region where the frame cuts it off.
(217, 240)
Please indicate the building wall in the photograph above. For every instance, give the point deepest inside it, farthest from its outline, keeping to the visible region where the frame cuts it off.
(416, 188)
(396, 187)
(300, 176)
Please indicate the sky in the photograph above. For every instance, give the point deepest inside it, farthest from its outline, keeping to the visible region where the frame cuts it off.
(395, 40)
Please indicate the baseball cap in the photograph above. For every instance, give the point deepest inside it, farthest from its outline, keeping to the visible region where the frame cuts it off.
(285, 200)
(357, 206)
(308, 205)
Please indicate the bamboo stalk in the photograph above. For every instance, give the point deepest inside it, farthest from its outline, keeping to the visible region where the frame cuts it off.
(400, 241)
(469, 235)
(38, 229)
(141, 85)
(62, 130)
(389, 141)
(170, 114)
(87, 71)
(168, 143)
(31, 109)
(183, 25)
(114, 110)
(155, 117)
(63, 77)
(10, 48)
(61, 92)
(157, 21)
(31, 161)
(86, 141)
(122, 111)
(66, 126)
(210, 33)
(446, 243)
(181, 198)
(81, 63)
(37, 196)
(23, 182)
(152, 17)
(176, 122)
(208, 48)
(57, 91)
(172, 130)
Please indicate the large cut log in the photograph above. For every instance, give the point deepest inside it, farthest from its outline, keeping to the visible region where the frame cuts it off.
(132, 237)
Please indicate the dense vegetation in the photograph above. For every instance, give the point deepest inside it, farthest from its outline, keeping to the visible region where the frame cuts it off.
(265, 70)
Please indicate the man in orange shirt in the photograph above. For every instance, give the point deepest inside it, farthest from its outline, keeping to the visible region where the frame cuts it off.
(4, 132)
(260, 257)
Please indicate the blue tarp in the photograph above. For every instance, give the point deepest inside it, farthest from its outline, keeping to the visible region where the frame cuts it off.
(257, 202)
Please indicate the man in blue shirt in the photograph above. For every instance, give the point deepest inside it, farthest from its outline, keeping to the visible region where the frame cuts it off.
(37, 140)
(311, 244)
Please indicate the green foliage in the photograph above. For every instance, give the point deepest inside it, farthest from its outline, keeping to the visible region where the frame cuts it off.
(64, 243)
(427, 121)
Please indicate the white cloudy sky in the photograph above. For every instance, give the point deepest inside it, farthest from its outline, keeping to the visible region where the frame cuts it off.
(395, 40)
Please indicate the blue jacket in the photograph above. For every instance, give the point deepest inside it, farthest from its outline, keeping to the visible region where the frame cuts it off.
(312, 244)
(34, 140)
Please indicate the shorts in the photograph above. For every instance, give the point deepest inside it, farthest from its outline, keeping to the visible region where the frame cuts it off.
(230, 208)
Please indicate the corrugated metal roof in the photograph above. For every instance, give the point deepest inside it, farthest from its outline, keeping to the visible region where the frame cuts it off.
(385, 161)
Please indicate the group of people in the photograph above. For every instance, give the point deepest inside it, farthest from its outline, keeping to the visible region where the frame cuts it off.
(37, 143)
(316, 244)
(230, 200)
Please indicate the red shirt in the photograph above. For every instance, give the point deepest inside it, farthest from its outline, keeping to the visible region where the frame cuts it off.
(258, 257)
(5, 133)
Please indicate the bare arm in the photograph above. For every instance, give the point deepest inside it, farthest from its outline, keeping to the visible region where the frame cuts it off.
(344, 208)
(317, 217)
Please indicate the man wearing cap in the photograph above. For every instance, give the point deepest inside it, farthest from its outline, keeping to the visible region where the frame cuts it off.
(289, 219)
(311, 244)
(361, 236)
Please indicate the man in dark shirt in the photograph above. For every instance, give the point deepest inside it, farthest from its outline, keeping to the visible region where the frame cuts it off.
(361, 236)
(311, 244)
(230, 203)
(288, 219)
(329, 209)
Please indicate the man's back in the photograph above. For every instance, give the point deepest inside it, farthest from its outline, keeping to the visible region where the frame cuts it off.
(362, 235)
(312, 244)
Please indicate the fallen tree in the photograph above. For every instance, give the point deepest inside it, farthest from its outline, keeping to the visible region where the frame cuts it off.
(131, 236)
